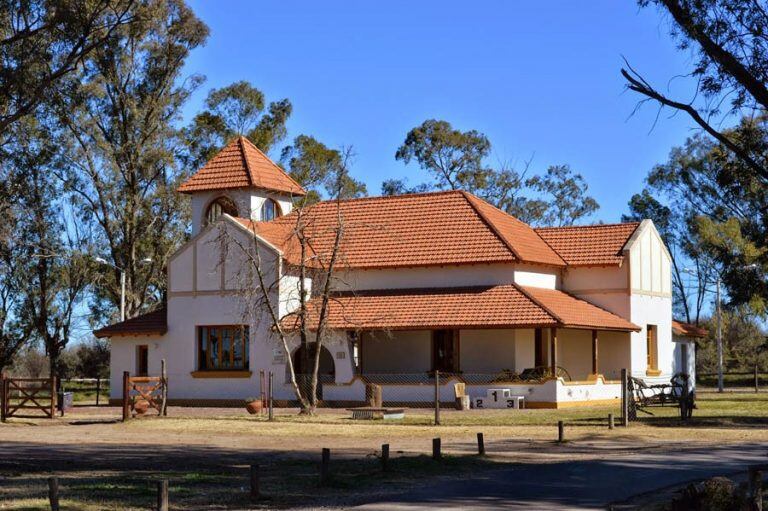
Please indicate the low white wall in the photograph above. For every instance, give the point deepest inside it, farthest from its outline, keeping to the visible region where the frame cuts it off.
(599, 391)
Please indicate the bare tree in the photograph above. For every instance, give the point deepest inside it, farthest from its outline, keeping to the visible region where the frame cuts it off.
(293, 294)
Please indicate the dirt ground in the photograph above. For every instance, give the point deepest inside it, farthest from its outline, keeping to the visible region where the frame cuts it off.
(206, 452)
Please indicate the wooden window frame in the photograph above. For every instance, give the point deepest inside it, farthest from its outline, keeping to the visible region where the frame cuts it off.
(205, 354)
(652, 350)
(224, 205)
(277, 210)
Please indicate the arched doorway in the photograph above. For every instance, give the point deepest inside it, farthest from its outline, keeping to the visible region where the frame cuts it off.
(303, 366)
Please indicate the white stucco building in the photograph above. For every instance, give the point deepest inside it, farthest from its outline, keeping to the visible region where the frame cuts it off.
(434, 281)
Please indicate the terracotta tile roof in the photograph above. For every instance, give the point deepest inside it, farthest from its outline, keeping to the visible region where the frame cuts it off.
(688, 330)
(495, 306)
(151, 323)
(440, 228)
(241, 165)
(471, 307)
(575, 312)
(519, 236)
(589, 245)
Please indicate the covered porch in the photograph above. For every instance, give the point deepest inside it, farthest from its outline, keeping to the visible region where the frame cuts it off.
(545, 345)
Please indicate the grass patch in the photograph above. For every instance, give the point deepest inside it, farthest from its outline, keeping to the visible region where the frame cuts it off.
(284, 483)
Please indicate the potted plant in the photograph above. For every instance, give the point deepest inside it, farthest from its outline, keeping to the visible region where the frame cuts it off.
(253, 405)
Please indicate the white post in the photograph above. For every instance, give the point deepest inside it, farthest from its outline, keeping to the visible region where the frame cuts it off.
(122, 295)
(719, 340)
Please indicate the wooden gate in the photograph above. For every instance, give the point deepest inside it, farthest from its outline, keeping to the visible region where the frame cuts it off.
(140, 393)
(22, 397)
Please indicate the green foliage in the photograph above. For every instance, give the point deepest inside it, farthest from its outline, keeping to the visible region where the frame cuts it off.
(568, 195)
(745, 342)
(120, 146)
(43, 42)
(455, 160)
(320, 170)
(234, 110)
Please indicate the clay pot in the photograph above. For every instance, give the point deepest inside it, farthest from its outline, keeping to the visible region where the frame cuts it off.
(254, 407)
(141, 407)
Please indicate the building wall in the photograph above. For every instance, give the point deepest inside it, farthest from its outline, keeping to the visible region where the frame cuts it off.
(574, 352)
(248, 202)
(614, 354)
(487, 351)
(449, 276)
(397, 352)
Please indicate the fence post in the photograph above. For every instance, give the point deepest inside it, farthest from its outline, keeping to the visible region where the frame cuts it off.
(98, 389)
(480, 444)
(436, 449)
(610, 421)
(53, 493)
(437, 397)
(3, 397)
(271, 403)
(255, 489)
(385, 457)
(54, 396)
(164, 379)
(757, 383)
(755, 488)
(262, 393)
(162, 495)
(624, 399)
(560, 432)
(126, 392)
(325, 462)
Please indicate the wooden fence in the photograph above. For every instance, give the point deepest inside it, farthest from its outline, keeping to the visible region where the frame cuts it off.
(21, 397)
(80, 386)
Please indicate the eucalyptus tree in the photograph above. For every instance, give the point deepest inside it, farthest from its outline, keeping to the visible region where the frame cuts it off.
(121, 146)
(44, 41)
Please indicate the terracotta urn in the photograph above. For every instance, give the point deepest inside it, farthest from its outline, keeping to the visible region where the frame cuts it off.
(254, 406)
(141, 407)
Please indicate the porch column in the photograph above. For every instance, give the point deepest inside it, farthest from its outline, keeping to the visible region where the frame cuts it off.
(595, 368)
(553, 350)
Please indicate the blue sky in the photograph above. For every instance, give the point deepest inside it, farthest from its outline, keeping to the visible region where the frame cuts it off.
(539, 79)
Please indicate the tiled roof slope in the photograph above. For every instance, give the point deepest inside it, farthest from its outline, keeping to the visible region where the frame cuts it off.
(441, 228)
(151, 323)
(472, 307)
(519, 236)
(687, 329)
(589, 245)
(241, 165)
(576, 313)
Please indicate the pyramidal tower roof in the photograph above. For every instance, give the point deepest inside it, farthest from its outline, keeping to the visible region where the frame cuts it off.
(241, 165)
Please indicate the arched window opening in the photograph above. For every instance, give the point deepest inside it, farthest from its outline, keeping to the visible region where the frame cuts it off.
(270, 210)
(218, 207)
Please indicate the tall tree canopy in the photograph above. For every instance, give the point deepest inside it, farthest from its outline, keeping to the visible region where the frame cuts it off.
(234, 110)
(723, 176)
(320, 170)
(43, 41)
(120, 146)
(455, 159)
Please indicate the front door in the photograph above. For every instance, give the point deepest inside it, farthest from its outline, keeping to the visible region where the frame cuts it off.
(444, 351)
(142, 360)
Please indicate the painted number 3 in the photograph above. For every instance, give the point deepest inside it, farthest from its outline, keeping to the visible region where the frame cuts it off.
(510, 403)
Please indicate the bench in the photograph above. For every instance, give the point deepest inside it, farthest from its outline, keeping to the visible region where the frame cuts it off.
(371, 412)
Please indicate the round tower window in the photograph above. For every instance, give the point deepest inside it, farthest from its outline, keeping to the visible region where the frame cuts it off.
(218, 207)
(269, 210)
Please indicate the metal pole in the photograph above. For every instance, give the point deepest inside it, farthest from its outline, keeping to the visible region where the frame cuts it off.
(271, 412)
(437, 397)
(719, 340)
(122, 295)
